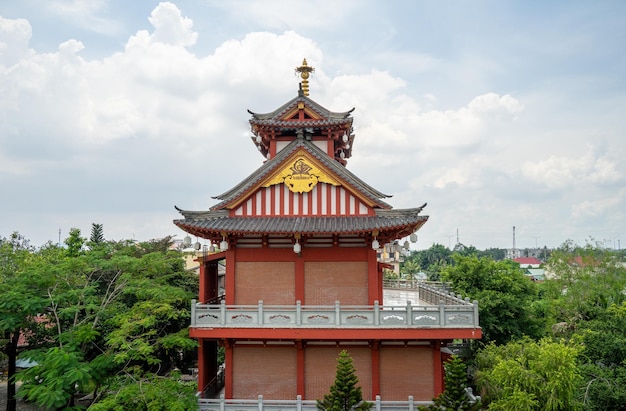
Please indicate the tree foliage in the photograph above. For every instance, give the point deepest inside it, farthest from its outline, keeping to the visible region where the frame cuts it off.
(530, 375)
(455, 396)
(21, 302)
(587, 282)
(345, 394)
(505, 297)
(149, 392)
(101, 312)
(97, 234)
(431, 260)
(603, 360)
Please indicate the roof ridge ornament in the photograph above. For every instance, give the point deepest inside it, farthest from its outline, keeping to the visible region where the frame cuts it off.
(305, 71)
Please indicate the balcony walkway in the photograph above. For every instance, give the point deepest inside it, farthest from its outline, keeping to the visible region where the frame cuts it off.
(406, 305)
(399, 298)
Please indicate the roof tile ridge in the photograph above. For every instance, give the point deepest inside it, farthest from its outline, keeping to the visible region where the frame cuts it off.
(361, 185)
(256, 175)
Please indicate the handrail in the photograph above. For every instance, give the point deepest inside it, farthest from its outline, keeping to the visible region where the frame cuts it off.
(458, 313)
(432, 292)
(260, 404)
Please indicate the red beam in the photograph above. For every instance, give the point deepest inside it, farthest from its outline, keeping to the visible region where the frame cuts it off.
(336, 334)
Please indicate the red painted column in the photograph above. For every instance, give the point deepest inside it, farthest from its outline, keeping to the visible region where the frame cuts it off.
(228, 371)
(272, 148)
(437, 368)
(374, 291)
(201, 368)
(375, 369)
(300, 377)
(230, 276)
(202, 283)
(299, 276)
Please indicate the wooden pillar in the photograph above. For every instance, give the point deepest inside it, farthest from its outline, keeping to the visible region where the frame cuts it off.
(375, 368)
(374, 282)
(228, 371)
(300, 376)
(202, 281)
(202, 372)
(299, 274)
(230, 276)
(437, 367)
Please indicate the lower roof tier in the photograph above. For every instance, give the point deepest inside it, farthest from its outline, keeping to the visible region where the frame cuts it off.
(386, 225)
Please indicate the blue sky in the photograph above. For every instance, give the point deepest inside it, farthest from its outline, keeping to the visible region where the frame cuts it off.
(496, 113)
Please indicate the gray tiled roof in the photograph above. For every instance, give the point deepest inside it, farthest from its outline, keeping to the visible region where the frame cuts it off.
(207, 222)
(271, 165)
(258, 118)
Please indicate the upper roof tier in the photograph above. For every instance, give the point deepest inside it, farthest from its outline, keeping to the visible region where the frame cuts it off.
(303, 118)
(303, 188)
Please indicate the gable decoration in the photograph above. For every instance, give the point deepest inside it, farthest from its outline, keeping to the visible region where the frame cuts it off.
(301, 175)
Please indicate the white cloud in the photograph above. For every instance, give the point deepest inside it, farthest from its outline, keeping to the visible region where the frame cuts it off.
(86, 14)
(561, 172)
(598, 207)
(171, 27)
(123, 137)
(14, 37)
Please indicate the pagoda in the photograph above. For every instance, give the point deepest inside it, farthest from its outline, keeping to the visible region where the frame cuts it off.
(299, 240)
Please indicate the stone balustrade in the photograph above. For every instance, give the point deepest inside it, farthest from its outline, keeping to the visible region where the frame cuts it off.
(461, 314)
(260, 404)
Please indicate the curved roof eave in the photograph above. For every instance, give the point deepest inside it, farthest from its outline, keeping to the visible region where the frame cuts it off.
(208, 226)
(270, 165)
(321, 110)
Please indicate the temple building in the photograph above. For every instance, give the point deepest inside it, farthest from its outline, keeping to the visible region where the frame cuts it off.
(299, 240)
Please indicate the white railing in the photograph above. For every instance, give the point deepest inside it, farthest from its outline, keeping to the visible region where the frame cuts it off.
(463, 314)
(221, 404)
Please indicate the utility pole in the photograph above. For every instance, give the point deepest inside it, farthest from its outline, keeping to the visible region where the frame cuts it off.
(514, 250)
(536, 237)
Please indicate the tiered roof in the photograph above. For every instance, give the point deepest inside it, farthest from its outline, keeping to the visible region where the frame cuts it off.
(320, 141)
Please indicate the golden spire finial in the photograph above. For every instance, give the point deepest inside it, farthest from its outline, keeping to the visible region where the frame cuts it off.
(305, 71)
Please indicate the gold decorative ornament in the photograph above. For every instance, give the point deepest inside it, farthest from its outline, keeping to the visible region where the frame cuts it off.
(300, 176)
(305, 72)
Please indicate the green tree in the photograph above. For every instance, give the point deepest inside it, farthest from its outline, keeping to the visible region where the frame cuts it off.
(433, 260)
(65, 368)
(149, 392)
(345, 394)
(21, 300)
(74, 243)
(505, 297)
(97, 234)
(455, 396)
(409, 268)
(112, 310)
(496, 254)
(587, 281)
(603, 359)
(529, 375)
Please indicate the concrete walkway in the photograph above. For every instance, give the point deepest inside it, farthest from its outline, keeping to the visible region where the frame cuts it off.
(398, 298)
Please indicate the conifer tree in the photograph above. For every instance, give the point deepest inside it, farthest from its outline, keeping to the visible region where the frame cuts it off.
(345, 394)
(454, 397)
(97, 233)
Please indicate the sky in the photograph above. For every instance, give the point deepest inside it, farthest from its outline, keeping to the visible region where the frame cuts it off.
(498, 114)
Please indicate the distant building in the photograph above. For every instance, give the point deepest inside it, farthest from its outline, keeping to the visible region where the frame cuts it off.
(536, 274)
(528, 262)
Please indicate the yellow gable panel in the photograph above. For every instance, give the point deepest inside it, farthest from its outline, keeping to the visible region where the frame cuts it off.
(301, 175)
